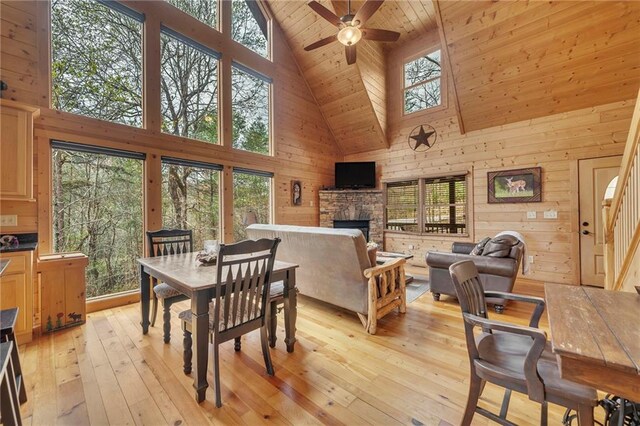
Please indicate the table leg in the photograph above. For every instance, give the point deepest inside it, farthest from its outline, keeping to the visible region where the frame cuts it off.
(200, 332)
(290, 309)
(145, 285)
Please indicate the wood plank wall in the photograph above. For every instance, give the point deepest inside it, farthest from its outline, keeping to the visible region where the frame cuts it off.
(304, 146)
(554, 142)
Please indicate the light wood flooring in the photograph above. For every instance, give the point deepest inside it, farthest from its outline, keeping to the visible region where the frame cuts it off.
(414, 371)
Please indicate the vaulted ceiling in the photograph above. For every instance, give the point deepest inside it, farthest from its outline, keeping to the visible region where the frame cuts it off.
(510, 60)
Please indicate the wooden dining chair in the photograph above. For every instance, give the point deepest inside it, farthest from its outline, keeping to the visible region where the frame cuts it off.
(512, 356)
(162, 243)
(241, 301)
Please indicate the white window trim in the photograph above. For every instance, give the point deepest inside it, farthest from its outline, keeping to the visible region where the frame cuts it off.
(442, 78)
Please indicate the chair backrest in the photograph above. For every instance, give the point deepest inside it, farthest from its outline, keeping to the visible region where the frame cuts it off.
(469, 289)
(244, 275)
(170, 241)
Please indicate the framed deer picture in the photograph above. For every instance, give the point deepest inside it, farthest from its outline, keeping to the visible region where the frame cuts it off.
(515, 186)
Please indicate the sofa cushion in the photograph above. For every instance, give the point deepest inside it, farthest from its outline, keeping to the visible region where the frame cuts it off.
(500, 246)
(477, 250)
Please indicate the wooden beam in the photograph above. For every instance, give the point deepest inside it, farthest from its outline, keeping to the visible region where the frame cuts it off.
(450, 76)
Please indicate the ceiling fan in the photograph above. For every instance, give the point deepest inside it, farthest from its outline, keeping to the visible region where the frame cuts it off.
(351, 27)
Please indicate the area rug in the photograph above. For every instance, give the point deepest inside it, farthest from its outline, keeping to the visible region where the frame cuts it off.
(418, 287)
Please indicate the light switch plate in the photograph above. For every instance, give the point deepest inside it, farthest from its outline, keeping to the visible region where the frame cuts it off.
(531, 259)
(9, 220)
(531, 215)
(551, 214)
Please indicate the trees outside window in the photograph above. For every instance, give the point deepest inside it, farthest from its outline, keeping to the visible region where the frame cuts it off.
(203, 10)
(97, 210)
(251, 200)
(96, 61)
(422, 81)
(249, 26)
(189, 88)
(191, 199)
(250, 108)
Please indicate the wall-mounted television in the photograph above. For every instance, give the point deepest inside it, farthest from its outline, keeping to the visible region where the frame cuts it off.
(356, 175)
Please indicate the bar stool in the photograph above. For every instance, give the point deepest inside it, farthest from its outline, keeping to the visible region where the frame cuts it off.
(9, 405)
(8, 318)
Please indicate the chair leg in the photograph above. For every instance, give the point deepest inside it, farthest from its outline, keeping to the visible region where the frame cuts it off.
(166, 319)
(273, 323)
(9, 409)
(265, 350)
(216, 373)
(475, 387)
(237, 344)
(544, 413)
(585, 415)
(436, 296)
(187, 354)
(154, 309)
(15, 359)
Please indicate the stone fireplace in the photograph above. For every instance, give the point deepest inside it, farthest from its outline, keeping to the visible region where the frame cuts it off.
(356, 209)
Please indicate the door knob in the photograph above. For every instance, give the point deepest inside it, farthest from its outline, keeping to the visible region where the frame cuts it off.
(585, 232)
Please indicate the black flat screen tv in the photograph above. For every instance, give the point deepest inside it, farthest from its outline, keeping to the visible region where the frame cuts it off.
(356, 175)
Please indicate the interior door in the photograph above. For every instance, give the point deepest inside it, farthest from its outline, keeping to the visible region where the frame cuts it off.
(594, 176)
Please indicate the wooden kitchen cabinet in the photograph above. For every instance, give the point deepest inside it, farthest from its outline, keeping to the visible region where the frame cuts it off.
(63, 290)
(16, 290)
(16, 156)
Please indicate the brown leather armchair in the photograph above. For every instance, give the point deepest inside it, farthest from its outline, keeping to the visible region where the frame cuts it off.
(497, 273)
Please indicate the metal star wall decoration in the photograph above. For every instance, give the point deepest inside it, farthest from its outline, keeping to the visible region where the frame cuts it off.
(422, 138)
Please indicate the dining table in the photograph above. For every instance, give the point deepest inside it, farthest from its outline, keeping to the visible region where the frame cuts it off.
(595, 334)
(186, 274)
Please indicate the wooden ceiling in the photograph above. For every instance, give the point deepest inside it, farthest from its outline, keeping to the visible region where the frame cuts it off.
(352, 98)
(510, 60)
(513, 61)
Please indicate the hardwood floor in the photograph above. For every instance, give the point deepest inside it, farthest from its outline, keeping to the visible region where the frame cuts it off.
(414, 371)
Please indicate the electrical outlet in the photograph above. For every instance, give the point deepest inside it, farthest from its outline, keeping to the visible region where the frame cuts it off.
(9, 220)
(531, 260)
(551, 214)
(410, 247)
(531, 215)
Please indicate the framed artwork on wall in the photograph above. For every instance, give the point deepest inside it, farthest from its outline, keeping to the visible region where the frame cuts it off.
(515, 186)
(296, 193)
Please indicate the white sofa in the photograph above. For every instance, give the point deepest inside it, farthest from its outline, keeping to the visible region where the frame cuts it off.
(335, 268)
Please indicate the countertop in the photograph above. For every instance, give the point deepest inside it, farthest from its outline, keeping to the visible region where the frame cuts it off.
(3, 265)
(26, 242)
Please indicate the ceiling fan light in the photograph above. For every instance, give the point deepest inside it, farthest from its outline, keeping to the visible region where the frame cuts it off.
(349, 35)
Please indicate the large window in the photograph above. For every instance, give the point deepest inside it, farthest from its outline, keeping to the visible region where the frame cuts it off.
(189, 88)
(422, 83)
(96, 66)
(251, 200)
(97, 210)
(249, 26)
(427, 205)
(250, 109)
(203, 10)
(191, 198)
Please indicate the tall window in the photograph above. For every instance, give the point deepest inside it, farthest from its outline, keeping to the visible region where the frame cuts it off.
(250, 109)
(191, 198)
(251, 200)
(203, 10)
(427, 205)
(96, 54)
(97, 210)
(189, 88)
(249, 26)
(422, 83)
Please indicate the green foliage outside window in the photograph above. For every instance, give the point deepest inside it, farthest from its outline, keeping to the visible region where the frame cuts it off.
(250, 106)
(96, 62)
(97, 210)
(422, 83)
(249, 27)
(251, 202)
(203, 10)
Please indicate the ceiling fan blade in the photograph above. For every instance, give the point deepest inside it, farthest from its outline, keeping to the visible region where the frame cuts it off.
(325, 13)
(366, 11)
(379, 35)
(321, 43)
(350, 51)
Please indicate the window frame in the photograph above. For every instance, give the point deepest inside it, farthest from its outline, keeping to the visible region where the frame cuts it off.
(443, 81)
(421, 206)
